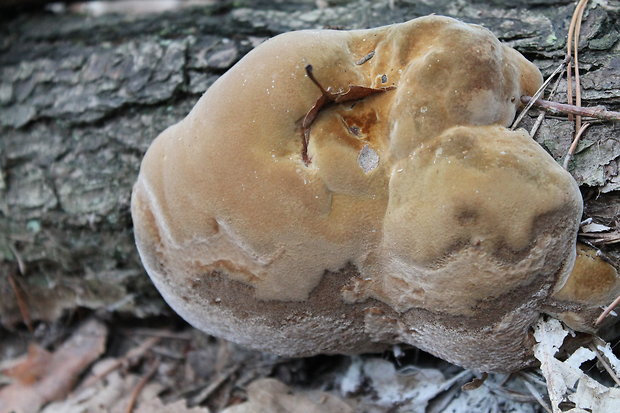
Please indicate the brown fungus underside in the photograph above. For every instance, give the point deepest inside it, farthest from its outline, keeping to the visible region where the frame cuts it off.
(411, 216)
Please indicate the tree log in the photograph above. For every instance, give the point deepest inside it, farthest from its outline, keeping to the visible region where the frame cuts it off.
(82, 97)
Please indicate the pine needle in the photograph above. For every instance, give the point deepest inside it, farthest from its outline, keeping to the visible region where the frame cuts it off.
(607, 311)
(579, 12)
(573, 146)
(538, 93)
(605, 365)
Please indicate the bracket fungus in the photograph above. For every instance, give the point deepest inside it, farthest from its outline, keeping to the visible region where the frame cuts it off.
(406, 213)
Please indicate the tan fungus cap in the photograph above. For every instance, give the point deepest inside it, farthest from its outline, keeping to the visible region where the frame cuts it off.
(415, 217)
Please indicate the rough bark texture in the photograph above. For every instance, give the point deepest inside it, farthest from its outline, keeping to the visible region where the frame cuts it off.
(82, 97)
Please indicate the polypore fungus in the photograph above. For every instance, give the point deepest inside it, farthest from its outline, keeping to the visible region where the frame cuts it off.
(373, 198)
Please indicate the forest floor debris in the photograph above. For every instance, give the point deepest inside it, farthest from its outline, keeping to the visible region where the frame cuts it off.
(173, 368)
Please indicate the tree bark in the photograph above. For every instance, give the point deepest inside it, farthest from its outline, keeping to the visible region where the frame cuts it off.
(82, 97)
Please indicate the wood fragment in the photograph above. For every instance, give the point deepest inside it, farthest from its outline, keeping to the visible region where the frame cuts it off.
(475, 382)
(602, 238)
(365, 58)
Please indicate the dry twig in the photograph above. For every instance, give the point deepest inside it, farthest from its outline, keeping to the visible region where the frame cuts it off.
(214, 385)
(131, 355)
(136, 391)
(184, 336)
(555, 108)
(22, 304)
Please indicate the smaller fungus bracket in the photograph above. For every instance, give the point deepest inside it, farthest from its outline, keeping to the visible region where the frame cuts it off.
(353, 92)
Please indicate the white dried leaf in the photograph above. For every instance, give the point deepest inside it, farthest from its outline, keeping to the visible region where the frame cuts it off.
(594, 227)
(352, 379)
(593, 396)
(411, 389)
(550, 336)
(489, 398)
(562, 377)
(580, 356)
(394, 389)
(611, 358)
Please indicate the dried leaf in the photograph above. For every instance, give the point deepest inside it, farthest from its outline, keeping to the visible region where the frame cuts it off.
(359, 92)
(157, 406)
(614, 363)
(475, 383)
(328, 97)
(30, 368)
(594, 227)
(594, 397)
(109, 395)
(56, 376)
(385, 387)
(562, 377)
(273, 396)
(375, 385)
(611, 237)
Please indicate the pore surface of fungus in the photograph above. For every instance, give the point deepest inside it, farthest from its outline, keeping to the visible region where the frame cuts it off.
(407, 213)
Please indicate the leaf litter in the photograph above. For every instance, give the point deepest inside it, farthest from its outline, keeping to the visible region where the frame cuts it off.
(42, 377)
(159, 371)
(566, 382)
